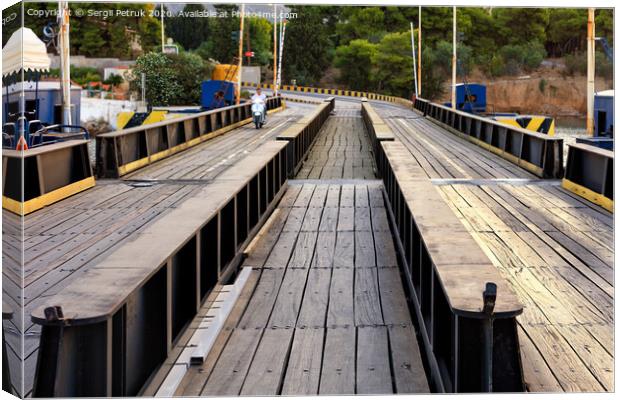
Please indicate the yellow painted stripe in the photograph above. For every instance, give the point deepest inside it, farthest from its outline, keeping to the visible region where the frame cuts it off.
(155, 116)
(37, 203)
(588, 194)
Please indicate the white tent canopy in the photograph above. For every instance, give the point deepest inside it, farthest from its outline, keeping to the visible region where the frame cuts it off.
(24, 50)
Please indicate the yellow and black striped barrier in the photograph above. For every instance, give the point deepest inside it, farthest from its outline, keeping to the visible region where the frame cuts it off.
(129, 119)
(534, 123)
(335, 92)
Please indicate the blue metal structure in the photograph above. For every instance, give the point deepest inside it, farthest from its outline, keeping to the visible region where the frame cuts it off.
(211, 87)
(41, 118)
(604, 113)
(470, 98)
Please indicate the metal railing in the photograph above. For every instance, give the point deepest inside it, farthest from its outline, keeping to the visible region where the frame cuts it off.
(107, 332)
(465, 309)
(537, 153)
(590, 174)
(127, 150)
(37, 177)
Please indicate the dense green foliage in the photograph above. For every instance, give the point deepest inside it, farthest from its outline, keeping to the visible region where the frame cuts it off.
(95, 30)
(170, 79)
(79, 75)
(369, 41)
(366, 48)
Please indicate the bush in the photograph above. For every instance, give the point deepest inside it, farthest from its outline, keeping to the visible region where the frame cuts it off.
(576, 63)
(170, 79)
(518, 57)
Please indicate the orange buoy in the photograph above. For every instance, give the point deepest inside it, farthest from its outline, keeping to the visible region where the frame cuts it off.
(21, 144)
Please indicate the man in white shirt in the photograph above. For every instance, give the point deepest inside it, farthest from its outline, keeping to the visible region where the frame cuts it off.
(260, 97)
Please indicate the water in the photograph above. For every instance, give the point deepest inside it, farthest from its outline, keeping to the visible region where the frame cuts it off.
(569, 129)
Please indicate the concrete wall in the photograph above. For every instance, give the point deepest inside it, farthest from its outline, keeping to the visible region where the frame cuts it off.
(250, 74)
(99, 63)
(103, 108)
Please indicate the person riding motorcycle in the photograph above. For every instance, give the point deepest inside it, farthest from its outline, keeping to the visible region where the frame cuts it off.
(260, 98)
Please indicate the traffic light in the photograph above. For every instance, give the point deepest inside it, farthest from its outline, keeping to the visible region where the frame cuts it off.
(234, 36)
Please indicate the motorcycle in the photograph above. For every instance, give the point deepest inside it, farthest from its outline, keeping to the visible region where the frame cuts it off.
(258, 114)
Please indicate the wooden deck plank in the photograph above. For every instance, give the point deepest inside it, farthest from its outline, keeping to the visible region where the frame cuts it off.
(303, 372)
(409, 375)
(367, 300)
(373, 367)
(340, 312)
(288, 302)
(364, 249)
(324, 252)
(316, 297)
(266, 374)
(338, 371)
(232, 366)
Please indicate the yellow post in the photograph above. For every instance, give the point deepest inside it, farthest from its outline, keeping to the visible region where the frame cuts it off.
(454, 58)
(240, 55)
(590, 73)
(420, 51)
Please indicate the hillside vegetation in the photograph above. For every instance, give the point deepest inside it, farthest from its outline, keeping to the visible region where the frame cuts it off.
(359, 48)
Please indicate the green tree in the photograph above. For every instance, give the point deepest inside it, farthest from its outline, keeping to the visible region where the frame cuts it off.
(567, 30)
(220, 45)
(355, 63)
(521, 24)
(103, 34)
(307, 48)
(189, 72)
(260, 32)
(394, 68)
(187, 30)
(362, 23)
(170, 79)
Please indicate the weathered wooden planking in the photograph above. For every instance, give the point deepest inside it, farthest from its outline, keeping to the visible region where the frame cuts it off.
(329, 219)
(570, 371)
(303, 250)
(231, 368)
(373, 367)
(393, 300)
(362, 219)
(282, 250)
(346, 219)
(338, 370)
(537, 375)
(288, 302)
(379, 219)
(367, 301)
(333, 196)
(312, 219)
(303, 371)
(384, 249)
(266, 372)
(324, 252)
(409, 375)
(340, 312)
(304, 197)
(295, 219)
(261, 246)
(344, 253)
(364, 249)
(316, 296)
(260, 305)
